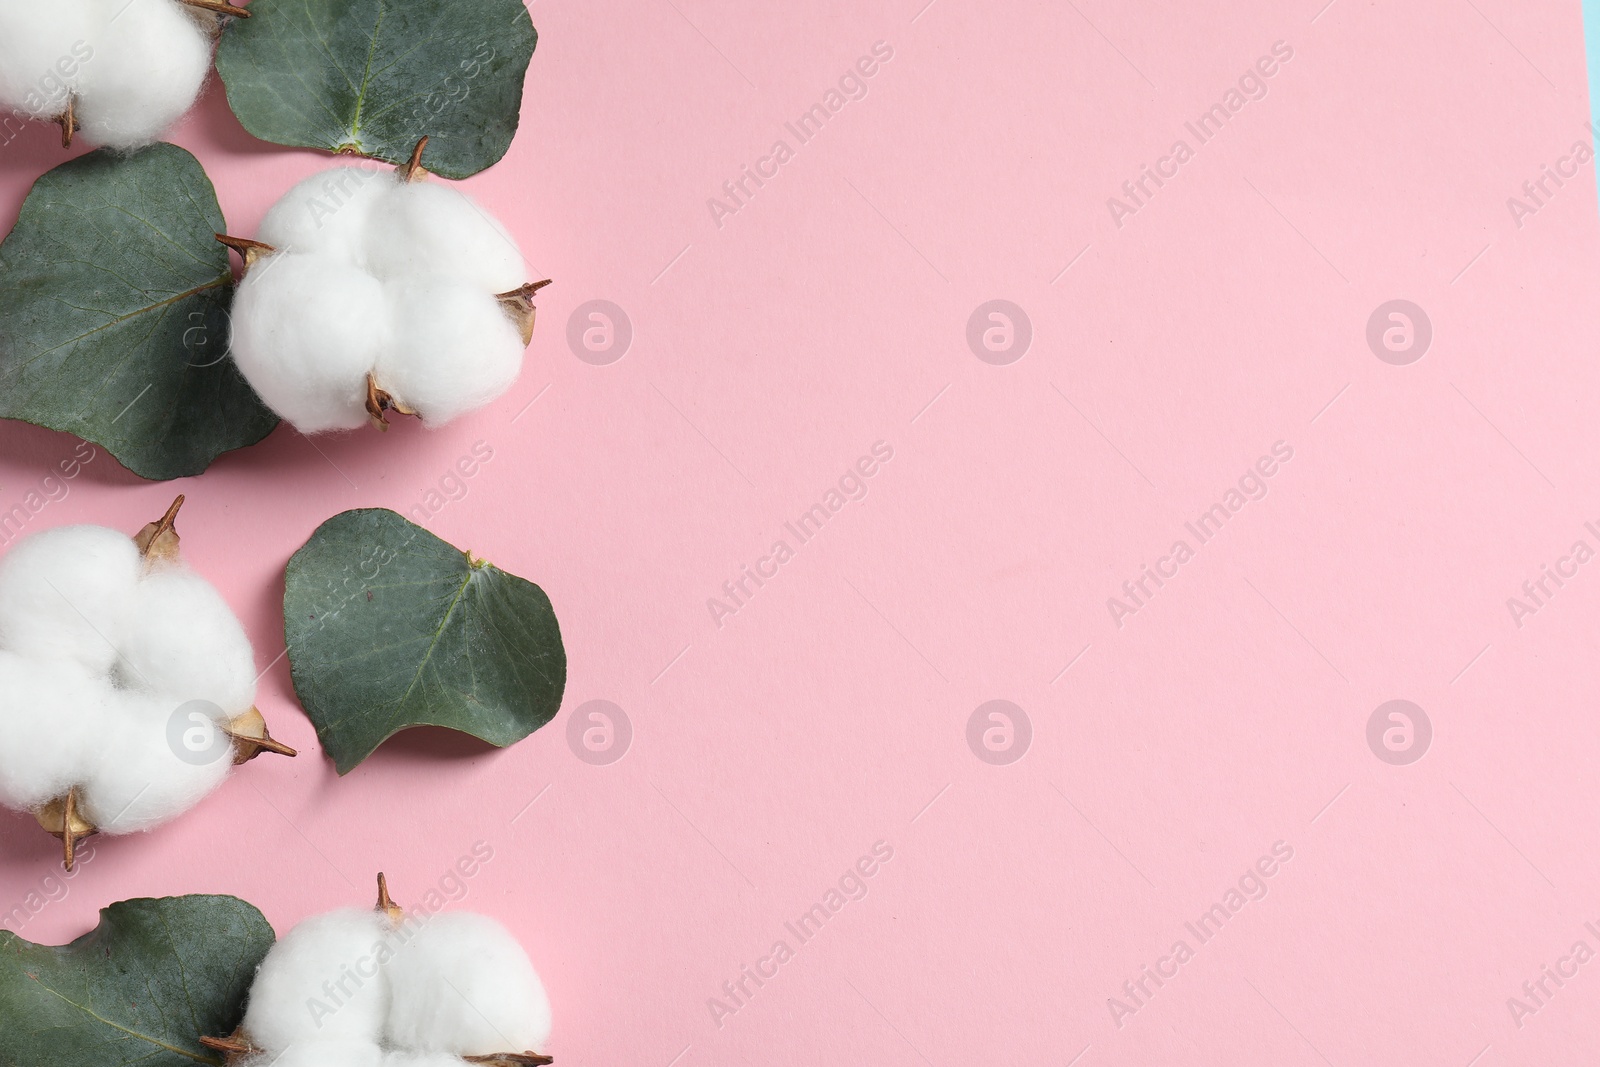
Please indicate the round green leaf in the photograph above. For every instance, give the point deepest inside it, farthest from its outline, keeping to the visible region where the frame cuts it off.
(114, 299)
(376, 76)
(152, 979)
(390, 627)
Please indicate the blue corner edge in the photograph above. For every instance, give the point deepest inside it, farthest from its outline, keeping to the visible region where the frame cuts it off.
(1591, 52)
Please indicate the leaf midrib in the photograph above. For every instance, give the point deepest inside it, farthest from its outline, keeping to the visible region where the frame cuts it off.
(215, 284)
(131, 1033)
(438, 633)
(366, 77)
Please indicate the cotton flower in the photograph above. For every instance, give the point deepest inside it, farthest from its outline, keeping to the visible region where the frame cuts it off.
(126, 684)
(370, 291)
(121, 71)
(384, 988)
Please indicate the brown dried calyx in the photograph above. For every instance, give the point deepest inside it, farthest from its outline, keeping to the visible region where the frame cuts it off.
(380, 400)
(158, 541)
(68, 120)
(238, 1045)
(413, 170)
(250, 252)
(62, 820)
(518, 304)
(158, 545)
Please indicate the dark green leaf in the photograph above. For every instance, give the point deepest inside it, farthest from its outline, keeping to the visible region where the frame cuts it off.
(152, 979)
(114, 303)
(375, 76)
(390, 627)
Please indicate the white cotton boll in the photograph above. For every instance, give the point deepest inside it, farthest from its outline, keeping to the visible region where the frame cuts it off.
(68, 593)
(307, 336)
(328, 213)
(462, 984)
(186, 644)
(53, 715)
(150, 60)
(455, 349)
(147, 771)
(423, 229)
(43, 47)
(306, 331)
(321, 982)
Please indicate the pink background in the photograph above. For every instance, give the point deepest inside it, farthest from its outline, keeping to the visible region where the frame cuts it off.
(829, 313)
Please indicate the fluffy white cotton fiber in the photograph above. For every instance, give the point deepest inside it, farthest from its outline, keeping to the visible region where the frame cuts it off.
(427, 230)
(374, 275)
(151, 58)
(34, 39)
(117, 675)
(428, 994)
(306, 331)
(454, 351)
(51, 715)
(132, 67)
(67, 593)
(463, 985)
(187, 643)
(328, 214)
(138, 777)
(322, 982)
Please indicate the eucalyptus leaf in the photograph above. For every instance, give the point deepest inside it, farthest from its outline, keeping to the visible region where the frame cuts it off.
(114, 299)
(152, 979)
(390, 627)
(374, 77)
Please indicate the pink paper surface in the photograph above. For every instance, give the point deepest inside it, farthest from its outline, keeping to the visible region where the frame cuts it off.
(1165, 749)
